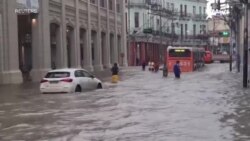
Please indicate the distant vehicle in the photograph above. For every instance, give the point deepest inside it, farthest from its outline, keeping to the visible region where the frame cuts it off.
(191, 58)
(224, 53)
(69, 81)
(208, 58)
(222, 58)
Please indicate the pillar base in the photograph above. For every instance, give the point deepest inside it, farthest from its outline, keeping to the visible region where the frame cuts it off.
(125, 65)
(107, 66)
(98, 68)
(38, 74)
(88, 68)
(12, 77)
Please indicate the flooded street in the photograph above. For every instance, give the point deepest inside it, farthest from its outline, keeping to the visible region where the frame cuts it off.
(209, 105)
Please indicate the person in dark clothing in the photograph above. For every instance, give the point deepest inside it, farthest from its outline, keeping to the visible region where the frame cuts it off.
(143, 65)
(115, 69)
(177, 70)
(156, 67)
(165, 70)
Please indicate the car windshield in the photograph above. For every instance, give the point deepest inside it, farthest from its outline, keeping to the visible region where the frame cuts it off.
(57, 75)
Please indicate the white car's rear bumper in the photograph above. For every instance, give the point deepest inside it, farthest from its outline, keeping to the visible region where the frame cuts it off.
(57, 89)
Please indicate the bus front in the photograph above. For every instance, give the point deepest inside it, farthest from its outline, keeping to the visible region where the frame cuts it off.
(184, 55)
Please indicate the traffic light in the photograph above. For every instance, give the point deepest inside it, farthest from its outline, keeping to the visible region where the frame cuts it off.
(224, 34)
(148, 30)
(218, 5)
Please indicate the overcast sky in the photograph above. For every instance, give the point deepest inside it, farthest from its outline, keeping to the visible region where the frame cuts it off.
(209, 8)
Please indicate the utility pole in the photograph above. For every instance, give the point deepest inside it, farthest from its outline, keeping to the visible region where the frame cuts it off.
(231, 50)
(245, 61)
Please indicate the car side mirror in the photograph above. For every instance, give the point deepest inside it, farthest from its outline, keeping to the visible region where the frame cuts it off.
(92, 76)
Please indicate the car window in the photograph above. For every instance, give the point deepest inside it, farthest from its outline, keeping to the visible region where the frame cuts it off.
(57, 75)
(86, 74)
(79, 73)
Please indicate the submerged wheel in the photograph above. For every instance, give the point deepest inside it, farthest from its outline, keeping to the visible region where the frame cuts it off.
(78, 89)
(99, 86)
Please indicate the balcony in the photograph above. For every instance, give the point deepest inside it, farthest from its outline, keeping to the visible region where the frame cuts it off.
(185, 16)
(199, 17)
(138, 4)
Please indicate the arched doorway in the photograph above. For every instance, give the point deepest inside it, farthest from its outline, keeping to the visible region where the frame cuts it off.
(83, 46)
(112, 48)
(55, 45)
(70, 46)
(103, 48)
(25, 45)
(119, 47)
(94, 47)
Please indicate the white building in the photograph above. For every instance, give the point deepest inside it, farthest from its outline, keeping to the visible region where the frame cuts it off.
(183, 23)
(59, 34)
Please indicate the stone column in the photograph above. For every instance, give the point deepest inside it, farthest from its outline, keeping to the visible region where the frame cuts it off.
(41, 52)
(63, 29)
(107, 45)
(115, 36)
(98, 66)
(88, 61)
(11, 72)
(124, 33)
(77, 37)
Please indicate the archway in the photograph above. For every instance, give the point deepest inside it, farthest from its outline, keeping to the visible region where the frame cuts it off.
(55, 45)
(94, 47)
(103, 47)
(83, 46)
(25, 45)
(119, 47)
(70, 46)
(112, 50)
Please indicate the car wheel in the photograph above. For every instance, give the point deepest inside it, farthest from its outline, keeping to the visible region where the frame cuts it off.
(99, 86)
(78, 89)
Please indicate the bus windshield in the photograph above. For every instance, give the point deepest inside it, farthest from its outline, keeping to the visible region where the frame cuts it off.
(179, 53)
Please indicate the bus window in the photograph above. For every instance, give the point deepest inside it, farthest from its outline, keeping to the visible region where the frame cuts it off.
(179, 53)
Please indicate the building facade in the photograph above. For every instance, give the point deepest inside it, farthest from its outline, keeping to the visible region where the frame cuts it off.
(172, 22)
(40, 35)
(218, 42)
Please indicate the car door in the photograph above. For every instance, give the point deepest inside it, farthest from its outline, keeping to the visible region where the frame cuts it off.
(86, 80)
(91, 81)
(79, 80)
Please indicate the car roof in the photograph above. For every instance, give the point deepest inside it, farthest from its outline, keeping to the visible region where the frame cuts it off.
(67, 70)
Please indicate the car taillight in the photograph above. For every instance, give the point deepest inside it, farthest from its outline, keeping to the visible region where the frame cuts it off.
(44, 81)
(67, 80)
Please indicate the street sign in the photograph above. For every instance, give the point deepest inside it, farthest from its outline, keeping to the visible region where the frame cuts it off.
(224, 34)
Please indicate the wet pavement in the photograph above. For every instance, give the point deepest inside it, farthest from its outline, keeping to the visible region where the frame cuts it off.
(208, 105)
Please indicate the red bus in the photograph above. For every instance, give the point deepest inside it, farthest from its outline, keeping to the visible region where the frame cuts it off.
(190, 58)
(208, 57)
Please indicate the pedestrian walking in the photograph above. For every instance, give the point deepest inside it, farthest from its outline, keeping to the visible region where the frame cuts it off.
(152, 66)
(165, 70)
(143, 65)
(177, 70)
(115, 71)
(156, 67)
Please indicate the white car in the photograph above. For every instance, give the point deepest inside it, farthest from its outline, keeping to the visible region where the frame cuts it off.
(69, 81)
